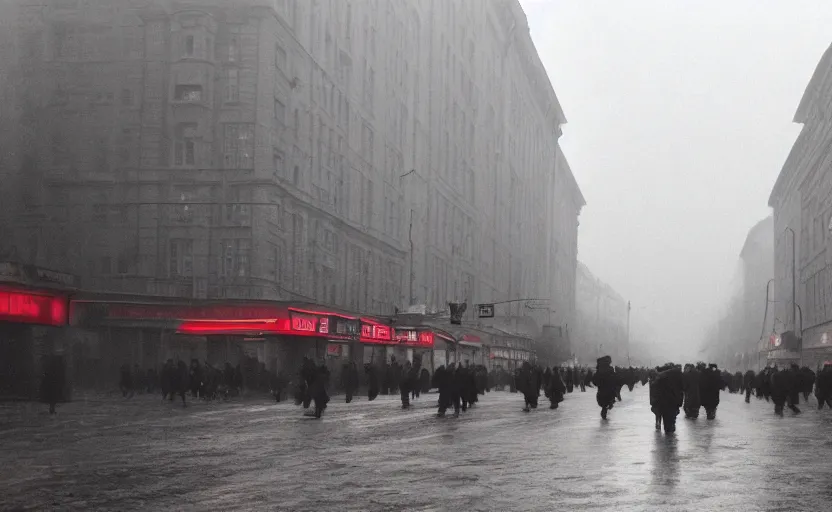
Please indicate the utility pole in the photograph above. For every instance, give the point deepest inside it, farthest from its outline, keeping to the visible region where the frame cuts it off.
(410, 238)
(628, 333)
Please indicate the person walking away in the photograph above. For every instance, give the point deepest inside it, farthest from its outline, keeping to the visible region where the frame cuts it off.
(318, 389)
(710, 384)
(823, 386)
(405, 384)
(349, 379)
(654, 398)
(606, 384)
(668, 387)
(196, 379)
(556, 390)
(440, 381)
(372, 381)
(748, 381)
(462, 382)
(424, 381)
(807, 382)
(582, 379)
(570, 384)
(690, 387)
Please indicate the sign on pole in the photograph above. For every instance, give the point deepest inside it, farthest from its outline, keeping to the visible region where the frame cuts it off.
(485, 310)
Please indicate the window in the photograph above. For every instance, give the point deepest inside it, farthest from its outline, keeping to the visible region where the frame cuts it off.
(277, 163)
(234, 258)
(238, 146)
(127, 97)
(279, 113)
(188, 93)
(232, 86)
(185, 145)
(236, 206)
(233, 54)
(279, 58)
(188, 47)
(181, 257)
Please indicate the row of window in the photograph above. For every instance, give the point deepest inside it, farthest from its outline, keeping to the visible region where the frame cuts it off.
(232, 257)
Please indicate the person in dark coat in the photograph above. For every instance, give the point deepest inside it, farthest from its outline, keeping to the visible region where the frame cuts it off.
(446, 382)
(823, 386)
(318, 389)
(556, 390)
(527, 384)
(405, 384)
(125, 382)
(372, 381)
(547, 377)
(179, 383)
(785, 389)
(424, 380)
(395, 375)
(349, 379)
(52, 382)
(666, 396)
(588, 377)
(807, 382)
(748, 384)
(462, 383)
(570, 384)
(690, 386)
(736, 383)
(581, 379)
(606, 384)
(710, 383)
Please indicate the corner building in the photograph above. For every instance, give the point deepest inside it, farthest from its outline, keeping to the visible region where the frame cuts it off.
(359, 154)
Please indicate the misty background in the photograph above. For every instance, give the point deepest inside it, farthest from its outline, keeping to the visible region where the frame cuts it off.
(680, 118)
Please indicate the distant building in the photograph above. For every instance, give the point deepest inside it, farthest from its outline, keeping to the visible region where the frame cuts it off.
(601, 324)
(802, 203)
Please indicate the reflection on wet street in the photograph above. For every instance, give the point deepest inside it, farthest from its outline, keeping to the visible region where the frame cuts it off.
(143, 455)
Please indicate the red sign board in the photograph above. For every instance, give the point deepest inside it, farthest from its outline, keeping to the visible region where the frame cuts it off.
(414, 338)
(303, 323)
(32, 308)
(376, 333)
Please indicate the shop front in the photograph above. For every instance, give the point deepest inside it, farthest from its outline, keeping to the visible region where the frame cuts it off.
(817, 347)
(255, 336)
(31, 336)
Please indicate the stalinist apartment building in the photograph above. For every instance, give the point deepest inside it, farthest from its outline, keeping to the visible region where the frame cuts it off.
(365, 154)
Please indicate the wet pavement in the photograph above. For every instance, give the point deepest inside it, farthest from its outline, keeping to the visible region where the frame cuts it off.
(108, 454)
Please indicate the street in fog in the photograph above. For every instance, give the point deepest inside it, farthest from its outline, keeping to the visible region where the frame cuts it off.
(143, 455)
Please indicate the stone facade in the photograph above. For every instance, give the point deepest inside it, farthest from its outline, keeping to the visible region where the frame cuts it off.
(601, 327)
(363, 154)
(802, 201)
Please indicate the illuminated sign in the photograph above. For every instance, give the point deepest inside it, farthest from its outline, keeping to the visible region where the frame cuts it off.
(31, 308)
(414, 338)
(376, 333)
(304, 323)
(323, 326)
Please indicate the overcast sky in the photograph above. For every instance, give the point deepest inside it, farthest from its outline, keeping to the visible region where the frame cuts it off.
(679, 120)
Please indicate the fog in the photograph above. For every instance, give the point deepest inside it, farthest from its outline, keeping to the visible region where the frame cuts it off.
(680, 120)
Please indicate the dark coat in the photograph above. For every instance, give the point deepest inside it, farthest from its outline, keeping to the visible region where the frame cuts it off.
(666, 390)
(690, 386)
(607, 384)
(710, 384)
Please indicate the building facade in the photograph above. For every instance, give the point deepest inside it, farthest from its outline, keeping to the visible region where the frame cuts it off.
(601, 327)
(802, 203)
(362, 154)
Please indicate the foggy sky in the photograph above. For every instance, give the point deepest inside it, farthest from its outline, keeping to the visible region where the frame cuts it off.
(680, 118)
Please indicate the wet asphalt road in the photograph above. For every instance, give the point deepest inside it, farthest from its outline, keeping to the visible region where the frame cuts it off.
(107, 454)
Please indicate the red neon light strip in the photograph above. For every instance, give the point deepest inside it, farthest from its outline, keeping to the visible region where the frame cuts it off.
(32, 308)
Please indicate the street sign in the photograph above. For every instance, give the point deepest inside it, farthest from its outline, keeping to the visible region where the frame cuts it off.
(485, 310)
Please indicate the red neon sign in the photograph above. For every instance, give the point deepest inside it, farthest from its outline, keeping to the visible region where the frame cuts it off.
(31, 308)
(323, 325)
(376, 333)
(303, 323)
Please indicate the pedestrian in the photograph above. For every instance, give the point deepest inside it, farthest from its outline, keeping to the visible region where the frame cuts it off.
(823, 386)
(52, 381)
(748, 381)
(710, 383)
(807, 382)
(405, 384)
(570, 384)
(582, 379)
(318, 389)
(556, 390)
(424, 381)
(606, 384)
(195, 379)
(691, 389)
(666, 396)
(785, 390)
(527, 384)
(277, 385)
(462, 383)
(349, 380)
(372, 381)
